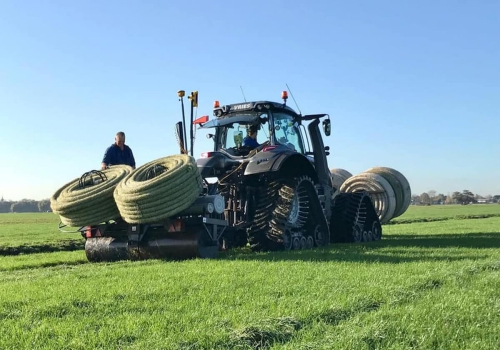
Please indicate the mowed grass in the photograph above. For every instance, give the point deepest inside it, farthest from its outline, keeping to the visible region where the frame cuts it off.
(426, 285)
(33, 233)
(446, 212)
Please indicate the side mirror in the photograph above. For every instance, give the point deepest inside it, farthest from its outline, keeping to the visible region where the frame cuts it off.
(210, 136)
(327, 127)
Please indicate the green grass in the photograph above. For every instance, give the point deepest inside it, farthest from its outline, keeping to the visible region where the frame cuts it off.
(34, 233)
(426, 285)
(446, 212)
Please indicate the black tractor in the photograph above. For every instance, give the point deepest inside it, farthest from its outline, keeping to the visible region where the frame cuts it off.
(264, 185)
(276, 183)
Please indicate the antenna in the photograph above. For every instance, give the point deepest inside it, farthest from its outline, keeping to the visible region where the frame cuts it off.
(293, 99)
(243, 94)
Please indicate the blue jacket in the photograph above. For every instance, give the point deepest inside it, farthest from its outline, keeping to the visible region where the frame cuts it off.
(115, 156)
(250, 142)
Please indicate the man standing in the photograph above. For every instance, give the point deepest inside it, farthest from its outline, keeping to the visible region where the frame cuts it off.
(118, 153)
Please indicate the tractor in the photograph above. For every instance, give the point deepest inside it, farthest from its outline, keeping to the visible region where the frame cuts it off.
(278, 193)
(273, 192)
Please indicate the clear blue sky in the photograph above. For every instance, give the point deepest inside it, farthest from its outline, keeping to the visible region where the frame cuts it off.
(413, 85)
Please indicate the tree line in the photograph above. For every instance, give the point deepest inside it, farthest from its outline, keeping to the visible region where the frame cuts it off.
(25, 206)
(465, 197)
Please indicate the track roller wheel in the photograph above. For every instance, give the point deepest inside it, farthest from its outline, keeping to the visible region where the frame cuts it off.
(309, 242)
(317, 235)
(303, 242)
(376, 231)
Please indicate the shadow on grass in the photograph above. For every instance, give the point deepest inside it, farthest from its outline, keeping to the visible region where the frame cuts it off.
(391, 249)
(61, 246)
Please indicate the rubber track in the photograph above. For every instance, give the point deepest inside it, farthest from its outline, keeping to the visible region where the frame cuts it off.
(371, 220)
(352, 215)
(309, 217)
(279, 224)
(265, 201)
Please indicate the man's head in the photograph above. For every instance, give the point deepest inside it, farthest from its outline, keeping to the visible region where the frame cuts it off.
(252, 131)
(120, 139)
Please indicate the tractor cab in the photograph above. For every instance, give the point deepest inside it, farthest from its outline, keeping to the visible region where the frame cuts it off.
(246, 128)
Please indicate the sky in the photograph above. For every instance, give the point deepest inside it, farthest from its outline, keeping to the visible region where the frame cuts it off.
(412, 85)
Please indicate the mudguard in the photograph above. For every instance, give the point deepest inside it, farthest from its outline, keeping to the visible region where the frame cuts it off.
(278, 158)
(209, 167)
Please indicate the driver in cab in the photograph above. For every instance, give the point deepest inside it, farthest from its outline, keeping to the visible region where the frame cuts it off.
(251, 139)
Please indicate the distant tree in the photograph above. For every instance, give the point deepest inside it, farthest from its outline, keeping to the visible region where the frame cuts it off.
(458, 197)
(449, 200)
(440, 198)
(425, 199)
(468, 197)
(44, 205)
(5, 206)
(432, 194)
(415, 199)
(24, 206)
(496, 198)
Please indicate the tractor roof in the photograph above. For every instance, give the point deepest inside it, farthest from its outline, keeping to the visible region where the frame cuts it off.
(255, 106)
(244, 112)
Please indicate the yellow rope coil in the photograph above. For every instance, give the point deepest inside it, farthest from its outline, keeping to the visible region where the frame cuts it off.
(89, 205)
(142, 198)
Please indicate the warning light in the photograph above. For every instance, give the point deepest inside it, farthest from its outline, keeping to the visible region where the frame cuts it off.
(216, 104)
(284, 95)
(181, 93)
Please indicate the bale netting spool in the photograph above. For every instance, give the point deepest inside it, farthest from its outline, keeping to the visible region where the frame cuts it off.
(158, 189)
(399, 184)
(379, 189)
(339, 176)
(88, 200)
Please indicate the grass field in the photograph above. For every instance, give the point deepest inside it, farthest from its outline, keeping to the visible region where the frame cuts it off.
(433, 282)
